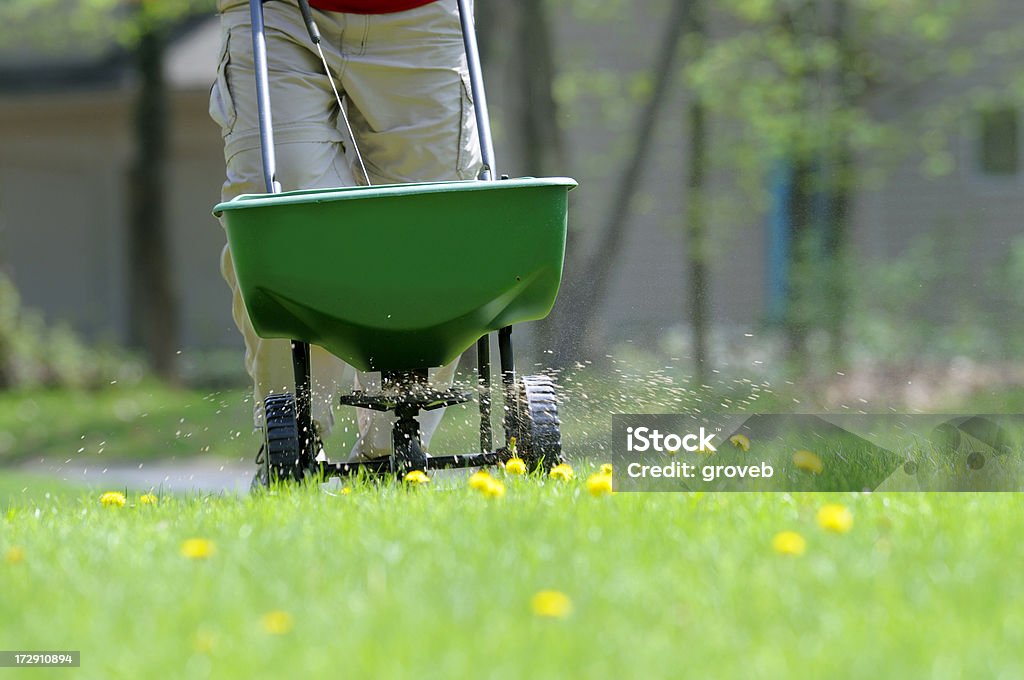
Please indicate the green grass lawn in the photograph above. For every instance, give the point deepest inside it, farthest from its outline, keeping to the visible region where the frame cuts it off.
(18, 488)
(394, 582)
(123, 423)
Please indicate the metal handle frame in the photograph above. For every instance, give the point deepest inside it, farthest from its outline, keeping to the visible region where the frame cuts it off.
(301, 365)
(489, 172)
(476, 82)
(259, 52)
(300, 350)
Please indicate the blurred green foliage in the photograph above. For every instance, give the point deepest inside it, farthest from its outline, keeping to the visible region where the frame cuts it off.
(34, 354)
(805, 79)
(51, 23)
(912, 308)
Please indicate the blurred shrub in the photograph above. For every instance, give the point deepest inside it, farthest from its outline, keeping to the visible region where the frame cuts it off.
(33, 354)
(927, 305)
(213, 368)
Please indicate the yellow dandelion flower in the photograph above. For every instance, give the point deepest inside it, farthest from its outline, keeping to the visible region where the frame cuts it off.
(562, 471)
(14, 555)
(204, 641)
(515, 466)
(113, 499)
(808, 461)
(493, 489)
(789, 543)
(740, 442)
(479, 480)
(599, 484)
(417, 477)
(277, 622)
(606, 469)
(148, 499)
(346, 490)
(835, 517)
(672, 452)
(551, 604)
(512, 447)
(198, 548)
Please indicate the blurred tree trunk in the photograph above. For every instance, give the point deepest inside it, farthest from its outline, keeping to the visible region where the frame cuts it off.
(543, 149)
(541, 138)
(488, 19)
(803, 284)
(820, 205)
(586, 291)
(696, 215)
(837, 290)
(153, 309)
(802, 270)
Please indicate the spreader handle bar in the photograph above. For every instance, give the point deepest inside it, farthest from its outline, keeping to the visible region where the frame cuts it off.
(489, 171)
(300, 350)
(259, 51)
(307, 18)
(476, 82)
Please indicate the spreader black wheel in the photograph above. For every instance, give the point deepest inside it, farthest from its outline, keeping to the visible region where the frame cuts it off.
(538, 432)
(282, 454)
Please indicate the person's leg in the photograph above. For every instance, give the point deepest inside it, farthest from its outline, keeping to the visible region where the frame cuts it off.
(269, 360)
(411, 106)
(310, 155)
(412, 116)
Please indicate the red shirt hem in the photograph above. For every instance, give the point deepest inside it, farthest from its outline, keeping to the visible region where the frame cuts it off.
(367, 6)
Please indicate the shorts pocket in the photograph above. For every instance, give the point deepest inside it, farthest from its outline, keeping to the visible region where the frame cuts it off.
(222, 105)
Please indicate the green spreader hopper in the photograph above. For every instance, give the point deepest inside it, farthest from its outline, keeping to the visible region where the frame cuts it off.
(399, 277)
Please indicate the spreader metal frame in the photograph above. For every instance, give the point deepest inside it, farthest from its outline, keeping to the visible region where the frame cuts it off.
(292, 445)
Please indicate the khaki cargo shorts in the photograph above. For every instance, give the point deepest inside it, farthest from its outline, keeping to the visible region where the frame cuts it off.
(405, 83)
